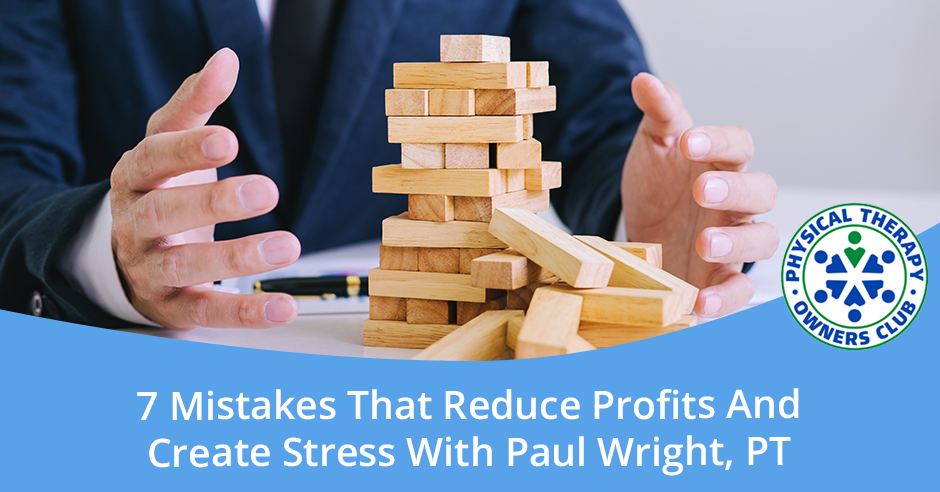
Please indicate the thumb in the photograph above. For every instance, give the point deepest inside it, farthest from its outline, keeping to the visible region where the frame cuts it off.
(198, 96)
(662, 105)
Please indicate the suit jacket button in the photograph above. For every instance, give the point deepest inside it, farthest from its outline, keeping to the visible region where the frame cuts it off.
(35, 304)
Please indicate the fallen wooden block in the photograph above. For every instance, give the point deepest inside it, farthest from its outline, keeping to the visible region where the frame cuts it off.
(546, 177)
(467, 156)
(466, 311)
(424, 285)
(537, 74)
(456, 129)
(430, 312)
(436, 208)
(483, 338)
(400, 232)
(480, 209)
(520, 298)
(396, 258)
(514, 101)
(550, 323)
(439, 260)
(506, 270)
(526, 154)
(637, 307)
(474, 48)
(387, 308)
(648, 252)
(577, 343)
(451, 102)
(630, 271)
(467, 255)
(553, 249)
(399, 334)
(604, 335)
(422, 156)
(515, 179)
(406, 102)
(485, 75)
(392, 178)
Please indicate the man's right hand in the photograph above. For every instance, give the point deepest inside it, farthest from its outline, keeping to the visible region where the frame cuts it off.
(165, 202)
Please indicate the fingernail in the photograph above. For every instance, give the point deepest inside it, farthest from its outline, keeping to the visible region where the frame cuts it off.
(719, 244)
(255, 195)
(216, 146)
(279, 310)
(716, 190)
(712, 306)
(211, 59)
(699, 144)
(277, 250)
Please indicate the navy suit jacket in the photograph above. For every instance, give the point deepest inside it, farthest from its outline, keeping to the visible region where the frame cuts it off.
(79, 80)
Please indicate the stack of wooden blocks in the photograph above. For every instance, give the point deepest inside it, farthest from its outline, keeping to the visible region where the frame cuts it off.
(459, 269)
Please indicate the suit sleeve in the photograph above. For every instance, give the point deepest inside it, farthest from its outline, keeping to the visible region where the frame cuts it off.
(593, 53)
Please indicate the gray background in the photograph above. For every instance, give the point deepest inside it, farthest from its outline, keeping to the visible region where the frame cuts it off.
(836, 93)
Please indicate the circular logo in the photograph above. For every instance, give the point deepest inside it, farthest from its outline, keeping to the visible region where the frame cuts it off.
(854, 276)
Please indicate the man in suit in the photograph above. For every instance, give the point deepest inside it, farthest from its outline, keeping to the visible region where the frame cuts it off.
(110, 196)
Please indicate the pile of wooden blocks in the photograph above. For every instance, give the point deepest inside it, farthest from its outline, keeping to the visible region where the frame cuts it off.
(461, 269)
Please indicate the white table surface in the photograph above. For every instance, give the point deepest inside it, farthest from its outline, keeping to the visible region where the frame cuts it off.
(341, 334)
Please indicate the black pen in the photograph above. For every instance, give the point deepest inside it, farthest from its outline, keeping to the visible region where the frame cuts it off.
(323, 287)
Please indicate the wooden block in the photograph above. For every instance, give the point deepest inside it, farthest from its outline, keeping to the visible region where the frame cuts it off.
(401, 232)
(437, 208)
(638, 307)
(520, 298)
(514, 101)
(467, 255)
(515, 179)
(537, 74)
(422, 156)
(649, 252)
(451, 102)
(546, 177)
(526, 154)
(550, 323)
(392, 178)
(576, 344)
(603, 335)
(528, 128)
(430, 312)
(630, 271)
(467, 156)
(439, 260)
(424, 285)
(553, 249)
(506, 270)
(466, 311)
(486, 75)
(406, 102)
(388, 308)
(399, 334)
(480, 209)
(483, 338)
(474, 48)
(456, 129)
(395, 258)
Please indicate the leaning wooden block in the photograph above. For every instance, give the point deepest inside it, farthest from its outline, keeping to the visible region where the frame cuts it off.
(423, 285)
(514, 101)
(439, 260)
(466, 311)
(432, 312)
(467, 255)
(603, 335)
(392, 178)
(406, 102)
(537, 74)
(486, 75)
(526, 154)
(422, 156)
(553, 249)
(546, 177)
(456, 129)
(515, 179)
(550, 323)
(401, 232)
(474, 48)
(506, 270)
(480, 209)
(396, 258)
(451, 102)
(437, 208)
(630, 271)
(399, 334)
(638, 307)
(483, 338)
(467, 156)
(577, 344)
(388, 308)
(649, 252)
(520, 298)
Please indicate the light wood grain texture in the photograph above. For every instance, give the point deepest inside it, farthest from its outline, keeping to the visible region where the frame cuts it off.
(401, 232)
(474, 48)
(399, 334)
(515, 179)
(439, 260)
(514, 101)
(423, 285)
(537, 74)
(520, 298)
(486, 75)
(528, 126)
(526, 154)
(431, 312)
(422, 156)
(456, 129)
(483, 338)
(506, 270)
(550, 322)
(392, 178)
(436, 208)
(467, 156)
(451, 102)
(630, 271)
(603, 335)
(576, 344)
(649, 252)
(392, 258)
(406, 102)
(466, 311)
(546, 177)
(553, 249)
(480, 209)
(388, 308)
(638, 307)
(467, 255)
